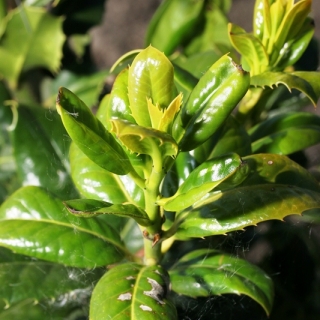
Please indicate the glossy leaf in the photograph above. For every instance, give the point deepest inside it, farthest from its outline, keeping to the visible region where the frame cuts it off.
(231, 138)
(36, 224)
(250, 47)
(143, 140)
(29, 310)
(292, 22)
(40, 152)
(150, 77)
(237, 208)
(173, 23)
(210, 103)
(294, 49)
(262, 20)
(22, 280)
(124, 61)
(131, 291)
(87, 87)
(204, 272)
(288, 141)
(118, 105)
(24, 44)
(279, 169)
(95, 183)
(90, 135)
(284, 121)
(90, 208)
(213, 35)
(306, 82)
(184, 81)
(202, 180)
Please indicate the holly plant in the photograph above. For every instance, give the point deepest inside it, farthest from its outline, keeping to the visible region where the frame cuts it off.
(163, 168)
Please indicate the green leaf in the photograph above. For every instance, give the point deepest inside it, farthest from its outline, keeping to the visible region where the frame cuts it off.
(118, 105)
(306, 82)
(36, 224)
(131, 291)
(27, 309)
(40, 151)
(202, 180)
(90, 208)
(213, 36)
(210, 103)
(231, 138)
(250, 47)
(288, 141)
(286, 133)
(90, 135)
(87, 87)
(278, 169)
(96, 183)
(237, 208)
(23, 280)
(203, 273)
(174, 23)
(283, 121)
(150, 77)
(25, 43)
(143, 140)
(291, 23)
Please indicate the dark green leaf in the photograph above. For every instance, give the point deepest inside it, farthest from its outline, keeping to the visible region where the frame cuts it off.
(202, 180)
(210, 103)
(279, 169)
(203, 273)
(288, 141)
(131, 291)
(87, 87)
(91, 208)
(40, 150)
(306, 82)
(22, 280)
(95, 183)
(237, 208)
(173, 23)
(90, 135)
(36, 224)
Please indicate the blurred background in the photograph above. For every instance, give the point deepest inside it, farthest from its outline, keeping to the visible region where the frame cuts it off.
(125, 22)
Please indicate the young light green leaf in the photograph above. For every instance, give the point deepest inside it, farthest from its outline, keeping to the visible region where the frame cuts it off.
(202, 273)
(132, 291)
(252, 50)
(237, 208)
(306, 82)
(90, 135)
(91, 207)
(143, 140)
(35, 223)
(150, 77)
(202, 180)
(25, 45)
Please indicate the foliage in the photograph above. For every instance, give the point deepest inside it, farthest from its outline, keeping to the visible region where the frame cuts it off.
(166, 161)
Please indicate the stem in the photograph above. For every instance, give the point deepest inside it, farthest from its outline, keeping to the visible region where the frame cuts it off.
(153, 251)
